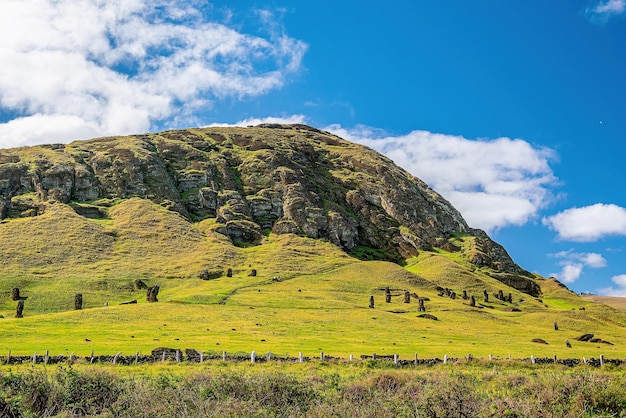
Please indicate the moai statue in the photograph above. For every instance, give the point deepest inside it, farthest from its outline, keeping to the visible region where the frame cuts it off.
(421, 307)
(78, 301)
(387, 295)
(229, 273)
(139, 284)
(252, 273)
(486, 295)
(500, 294)
(472, 301)
(407, 297)
(372, 301)
(20, 309)
(15, 293)
(151, 294)
(465, 295)
(509, 298)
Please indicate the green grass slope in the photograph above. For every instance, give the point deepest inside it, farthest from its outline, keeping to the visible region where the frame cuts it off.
(307, 295)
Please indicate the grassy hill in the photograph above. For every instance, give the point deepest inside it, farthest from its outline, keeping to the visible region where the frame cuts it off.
(615, 302)
(308, 295)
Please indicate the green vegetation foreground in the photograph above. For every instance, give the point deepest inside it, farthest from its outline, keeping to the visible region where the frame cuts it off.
(368, 390)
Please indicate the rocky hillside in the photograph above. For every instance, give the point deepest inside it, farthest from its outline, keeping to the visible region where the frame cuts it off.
(269, 178)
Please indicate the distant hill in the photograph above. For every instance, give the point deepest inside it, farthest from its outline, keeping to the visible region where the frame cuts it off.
(274, 235)
(616, 302)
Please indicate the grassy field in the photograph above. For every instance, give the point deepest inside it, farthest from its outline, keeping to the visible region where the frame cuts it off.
(307, 296)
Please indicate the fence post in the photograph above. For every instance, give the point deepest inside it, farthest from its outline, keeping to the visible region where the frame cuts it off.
(445, 358)
(116, 357)
(416, 359)
(269, 356)
(490, 357)
(92, 357)
(555, 359)
(177, 356)
(224, 355)
(395, 359)
(373, 356)
(35, 358)
(136, 357)
(46, 357)
(163, 357)
(9, 357)
(532, 359)
(322, 356)
(202, 357)
(253, 357)
(584, 360)
(601, 360)
(300, 357)
(351, 357)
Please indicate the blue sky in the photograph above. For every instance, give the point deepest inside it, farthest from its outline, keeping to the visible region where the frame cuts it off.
(514, 111)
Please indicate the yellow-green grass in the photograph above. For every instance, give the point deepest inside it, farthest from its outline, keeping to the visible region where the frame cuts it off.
(616, 302)
(308, 296)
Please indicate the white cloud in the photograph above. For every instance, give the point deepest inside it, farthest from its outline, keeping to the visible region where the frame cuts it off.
(570, 273)
(603, 10)
(620, 291)
(292, 119)
(573, 263)
(90, 68)
(493, 183)
(589, 223)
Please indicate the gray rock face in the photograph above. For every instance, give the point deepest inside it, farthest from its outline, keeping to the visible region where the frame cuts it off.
(283, 178)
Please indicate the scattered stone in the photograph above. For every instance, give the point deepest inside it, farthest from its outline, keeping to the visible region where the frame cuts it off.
(539, 341)
(132, 302)
(585, 337)
(192, 355)
(512, 309)
(427, 316)
(139, 284)
(210, 275)
(252, 273)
